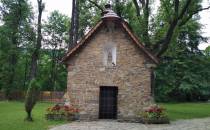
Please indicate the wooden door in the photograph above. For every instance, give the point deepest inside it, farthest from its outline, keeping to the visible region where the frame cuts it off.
(108, 102)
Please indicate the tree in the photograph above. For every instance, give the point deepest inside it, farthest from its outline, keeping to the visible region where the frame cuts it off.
(73, 32)
(30, 97)
(183, 74)
(16, 17)
(187, 79)
(56, 35)
(178, 13)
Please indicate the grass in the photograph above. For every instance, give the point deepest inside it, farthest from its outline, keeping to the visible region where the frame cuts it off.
(177, 111)
(12, 116)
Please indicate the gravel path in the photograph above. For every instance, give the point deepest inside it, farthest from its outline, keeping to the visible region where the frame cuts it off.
(194, 124)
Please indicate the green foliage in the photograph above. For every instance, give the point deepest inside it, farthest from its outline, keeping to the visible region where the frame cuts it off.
(52, 72)
(184, 78)
(207, 51)
(15, 33)
(183, 74)
(89, 15)
(31, 97)
(56, 31)
(46, 71)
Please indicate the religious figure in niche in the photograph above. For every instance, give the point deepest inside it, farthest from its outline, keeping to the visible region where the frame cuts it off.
(109, 59)
(109, 55)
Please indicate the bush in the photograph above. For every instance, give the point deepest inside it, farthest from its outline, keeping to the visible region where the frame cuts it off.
(31, 97)
(154, 115)
(62, 112)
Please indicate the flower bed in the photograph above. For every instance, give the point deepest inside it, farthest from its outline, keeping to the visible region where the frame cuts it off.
(154, 115)
(62, 112)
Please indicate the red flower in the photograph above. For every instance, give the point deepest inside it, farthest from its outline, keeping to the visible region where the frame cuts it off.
(65, 108)
(56, 108)
(155, 109)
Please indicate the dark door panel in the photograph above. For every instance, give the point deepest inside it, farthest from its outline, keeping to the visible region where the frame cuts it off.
(108, 103)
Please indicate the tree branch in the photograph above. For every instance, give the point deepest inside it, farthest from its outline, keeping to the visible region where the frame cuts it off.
(184, 9)
(146, 11)
(163, 44)
(142, 2)
(176, 6)
(97, 5)
(137, 7)
(183, 22)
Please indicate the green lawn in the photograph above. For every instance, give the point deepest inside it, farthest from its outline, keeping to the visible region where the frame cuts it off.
(12, 116)
(187, 110)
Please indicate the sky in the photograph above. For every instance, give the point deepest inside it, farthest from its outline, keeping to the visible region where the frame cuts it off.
(65, 6)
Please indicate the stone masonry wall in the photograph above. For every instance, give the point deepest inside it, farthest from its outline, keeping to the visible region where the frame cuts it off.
(86, 73)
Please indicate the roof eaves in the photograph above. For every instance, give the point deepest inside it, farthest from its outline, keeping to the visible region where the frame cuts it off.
(82, 41)
(136, 40)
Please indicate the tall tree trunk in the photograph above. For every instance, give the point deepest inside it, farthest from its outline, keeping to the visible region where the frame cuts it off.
(32, 92)
(164, 43)
(76, 21)
(73, 32)
(35, 55)
(146, 11)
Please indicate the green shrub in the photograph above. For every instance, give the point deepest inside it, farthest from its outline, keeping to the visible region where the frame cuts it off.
(31, 97)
